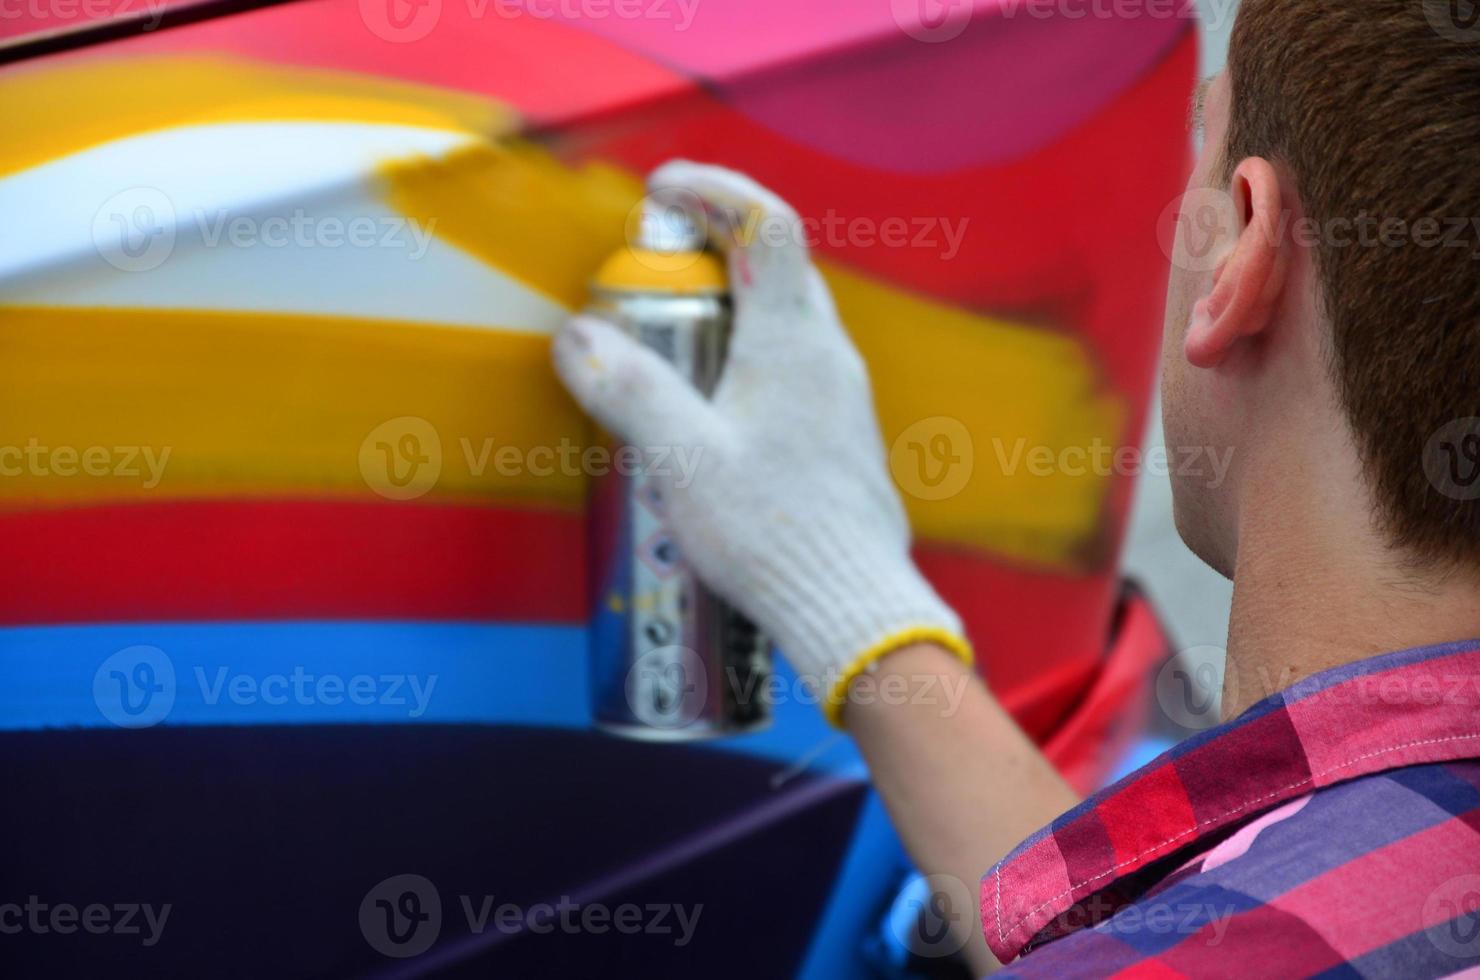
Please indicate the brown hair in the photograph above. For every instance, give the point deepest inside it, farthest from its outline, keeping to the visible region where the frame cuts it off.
(1371, 105)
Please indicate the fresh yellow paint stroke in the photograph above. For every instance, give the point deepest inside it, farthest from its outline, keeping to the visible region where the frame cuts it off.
(1013, 392)
(271, 405)
(515, 207)
(51, 112)
(1014, 405)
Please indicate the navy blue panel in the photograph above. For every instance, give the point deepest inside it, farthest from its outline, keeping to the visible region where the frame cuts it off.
(265, 841)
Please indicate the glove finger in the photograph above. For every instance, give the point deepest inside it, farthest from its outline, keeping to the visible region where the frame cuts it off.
(635, 394)
(729, 202)
(805, 346)
(761, 233)
(785, 319)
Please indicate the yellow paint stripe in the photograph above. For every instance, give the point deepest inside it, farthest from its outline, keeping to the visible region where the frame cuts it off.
(63, 110)
(273, 405)
(1017, 398)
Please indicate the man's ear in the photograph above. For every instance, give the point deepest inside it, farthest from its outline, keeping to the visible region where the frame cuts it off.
(1248, 282)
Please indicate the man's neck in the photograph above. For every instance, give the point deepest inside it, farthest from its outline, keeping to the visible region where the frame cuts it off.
(1316, 586)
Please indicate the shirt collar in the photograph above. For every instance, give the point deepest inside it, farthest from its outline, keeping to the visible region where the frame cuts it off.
(1400, 709)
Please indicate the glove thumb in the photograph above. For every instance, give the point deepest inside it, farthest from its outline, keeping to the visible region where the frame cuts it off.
(635, 394)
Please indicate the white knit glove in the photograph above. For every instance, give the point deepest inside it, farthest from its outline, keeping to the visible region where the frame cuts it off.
(791, 515)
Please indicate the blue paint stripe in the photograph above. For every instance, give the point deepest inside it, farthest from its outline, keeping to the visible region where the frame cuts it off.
(296, 673)
(292, 673)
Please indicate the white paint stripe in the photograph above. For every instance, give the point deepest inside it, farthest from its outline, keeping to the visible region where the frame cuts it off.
(68, 208)
(278, 217)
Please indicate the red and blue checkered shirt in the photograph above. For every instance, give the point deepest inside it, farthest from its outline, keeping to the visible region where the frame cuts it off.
(1333, 828)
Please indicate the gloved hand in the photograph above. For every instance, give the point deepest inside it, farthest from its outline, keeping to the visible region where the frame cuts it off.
(791, 515)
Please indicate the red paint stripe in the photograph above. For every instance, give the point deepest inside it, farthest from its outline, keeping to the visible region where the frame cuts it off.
(211, 560)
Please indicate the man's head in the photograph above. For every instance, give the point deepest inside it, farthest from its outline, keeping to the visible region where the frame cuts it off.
(1325, 278)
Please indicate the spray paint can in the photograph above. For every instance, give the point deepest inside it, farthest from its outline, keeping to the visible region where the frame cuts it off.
(670, 660)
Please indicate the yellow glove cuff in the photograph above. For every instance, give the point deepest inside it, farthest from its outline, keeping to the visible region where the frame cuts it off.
(837, 698)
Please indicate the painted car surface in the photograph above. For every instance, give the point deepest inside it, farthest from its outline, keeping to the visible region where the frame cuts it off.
(294, 597)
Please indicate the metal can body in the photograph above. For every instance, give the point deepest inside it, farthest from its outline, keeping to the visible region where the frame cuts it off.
(669, 659)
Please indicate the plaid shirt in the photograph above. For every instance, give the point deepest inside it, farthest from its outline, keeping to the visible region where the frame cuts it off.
(1333, 828)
